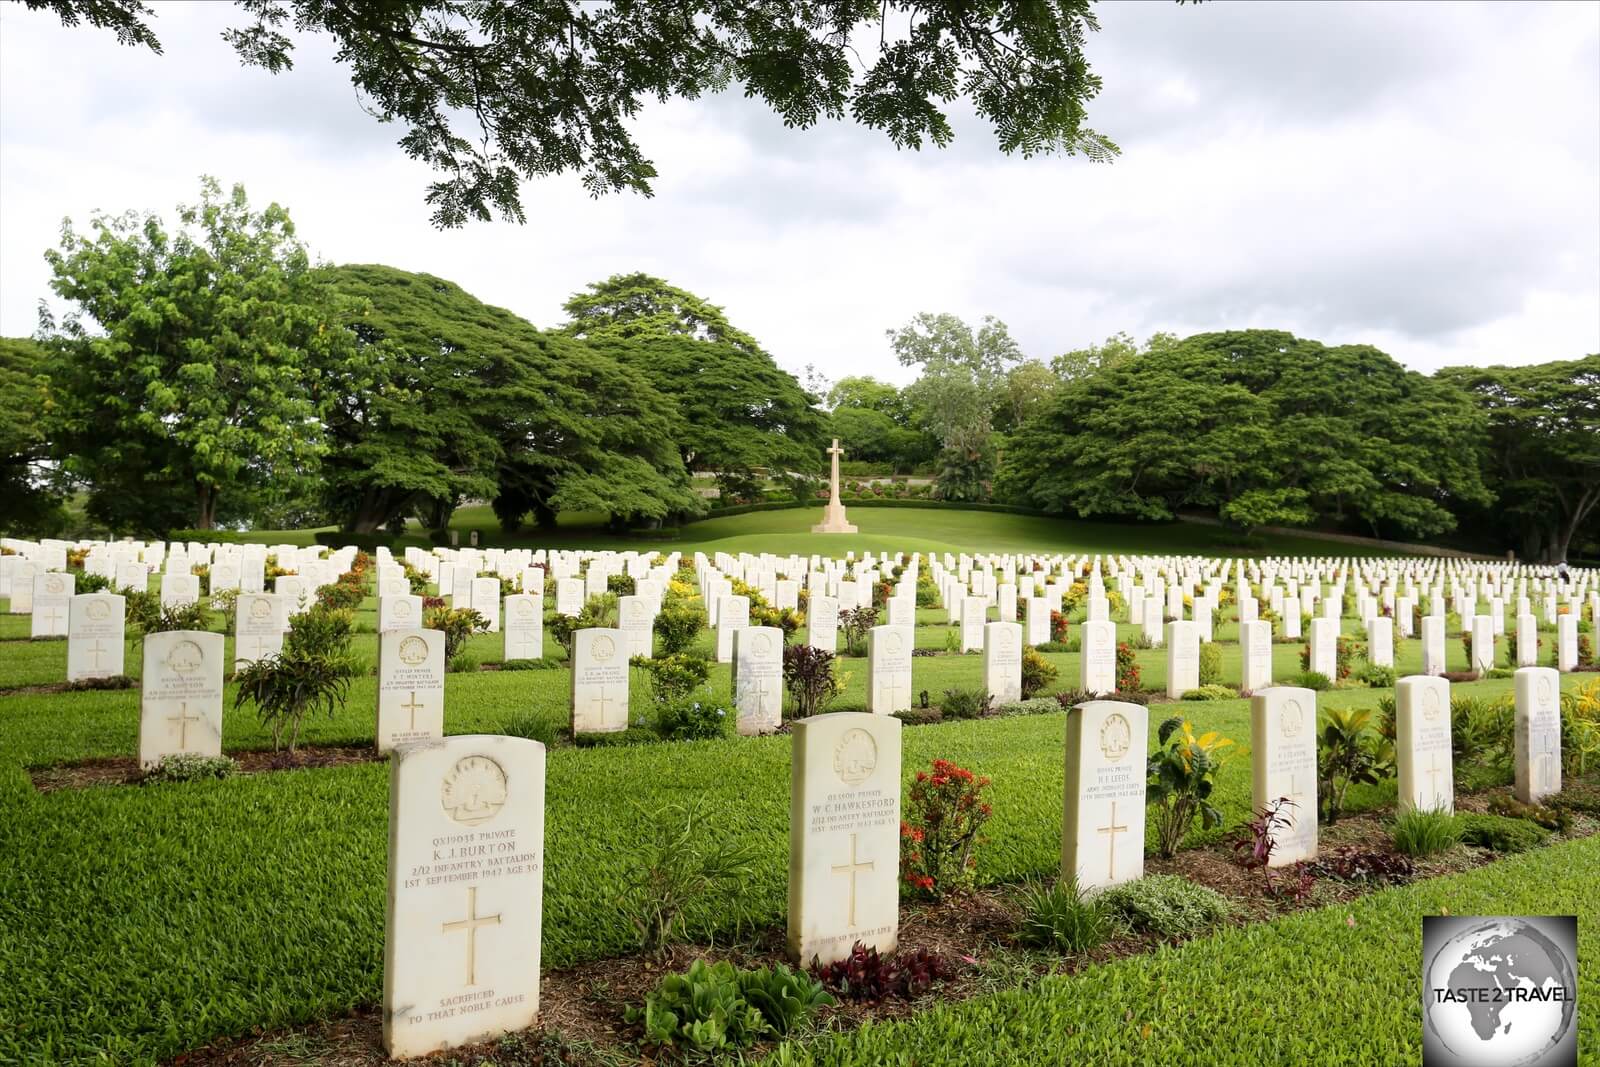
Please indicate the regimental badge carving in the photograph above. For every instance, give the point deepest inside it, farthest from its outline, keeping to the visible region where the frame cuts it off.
(524, 609)
(762, 645)
(54, 585)
(1544, 691)
(892, 644)
(401, 609)
(602, 648)
(413, 650)
(1430, 704)
(636, 612)
(260, 610)
(185, 657)
(474, 790)
(856, 757)
(1004, 640)
(99, 610)
(1116, 737)
(1293, 718)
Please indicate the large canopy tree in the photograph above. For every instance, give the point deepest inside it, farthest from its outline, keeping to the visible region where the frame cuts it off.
(452, 398)
(494, 91)
(1259, 425)
(187, 376)
(27, 480)
(1544, 449)
(740, 409)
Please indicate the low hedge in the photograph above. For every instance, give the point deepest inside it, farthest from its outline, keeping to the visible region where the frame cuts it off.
(218, 537)
(872, 502)
(365, 542)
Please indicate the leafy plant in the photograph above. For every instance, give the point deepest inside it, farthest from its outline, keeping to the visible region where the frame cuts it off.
(1210, 664)
(288, 686)
(1063, 917)
(945, 812)
(597, 612)
(1312, 680)
(1180, 777)
(1501, 834)
(458, 624)
(1375, 677)
(869, 977)
(1551, 818)
(621, 584)
(533, 727)
(809, 676)
(145, 613)
(1421, 832)
(686, 719)
(1348, 751)
(966, 703)
(700, 1011)
(1350, 864)
(346, 594)
(1211, 692)
(1037, 673)
(1127, 669)
(673, 677)
(225, 602)
(1167, 905)
(784, 998)
(189, 767)
(678, 624)
(678, 867)
(856, 624)
(1256, 840)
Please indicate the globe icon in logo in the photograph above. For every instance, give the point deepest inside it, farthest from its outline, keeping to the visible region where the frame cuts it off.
(1500, 992)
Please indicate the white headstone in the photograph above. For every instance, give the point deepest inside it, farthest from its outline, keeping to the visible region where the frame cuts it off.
(1422, 744)
(257, 628)
(524, 628)
(1102, 833)
(1183, 658)
(52, 599)
(95, 647)
(889, 669)
(1538, 734)
(410, 687)
(1433, 644)
(637, 623)
(1097, 664)
(180, 704)
(1002, 662)
(1255, 641)
(599, 681)
(822, 622)
(466, 886)
(1283, 736)
(844, 836)
(399, 613)
(758, 679)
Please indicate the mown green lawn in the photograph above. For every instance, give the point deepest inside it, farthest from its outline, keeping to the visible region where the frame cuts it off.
(1340, 985)
(881, 530)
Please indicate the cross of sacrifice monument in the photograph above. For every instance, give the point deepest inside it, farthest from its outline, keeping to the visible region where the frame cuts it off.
(852, 869)
(833, 520)
(470, 924)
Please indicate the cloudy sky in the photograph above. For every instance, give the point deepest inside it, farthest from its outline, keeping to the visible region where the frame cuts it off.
(1425, 178)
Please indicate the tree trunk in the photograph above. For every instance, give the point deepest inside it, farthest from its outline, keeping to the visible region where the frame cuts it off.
(205, 506)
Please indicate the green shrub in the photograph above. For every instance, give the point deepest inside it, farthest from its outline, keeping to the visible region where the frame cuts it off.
(287, 687)
(856, 624)
(1211, 692)
(1035, 706)
(1167, 905)
(714, 1008)
(110, 681)
(965, 703)
(188, 767)
(940, 830)
(545, 664)
(1577, 796)
(1349, 751)
(1180, 776)
(1062, 917)
(678, 624)
(678, 865)
(672, 678)
(1374, 677)
(457, 624)
(345, 594)
(687, 719)
(145, 614)
(1210, 664)
(1312, 680)
(1038, 673)
(621, 584)
(1551, 818)
(808, 674)
(1499, 833)
(1425, 833)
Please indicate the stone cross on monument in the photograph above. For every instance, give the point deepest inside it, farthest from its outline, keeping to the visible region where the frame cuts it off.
(833, 520)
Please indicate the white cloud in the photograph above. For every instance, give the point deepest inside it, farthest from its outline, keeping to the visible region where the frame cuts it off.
(1425, 178)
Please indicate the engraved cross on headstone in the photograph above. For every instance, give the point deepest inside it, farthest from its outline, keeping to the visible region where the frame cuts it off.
(413, 706)
(1111, 830)
(96, 652)
(852, 869)
(470, 924)
(183, 719)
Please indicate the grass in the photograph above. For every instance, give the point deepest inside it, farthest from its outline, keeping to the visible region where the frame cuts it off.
(881, 530)
(1278, 992)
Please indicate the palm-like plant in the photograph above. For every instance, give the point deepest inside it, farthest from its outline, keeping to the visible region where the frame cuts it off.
(1349, 751)
(1181, 775)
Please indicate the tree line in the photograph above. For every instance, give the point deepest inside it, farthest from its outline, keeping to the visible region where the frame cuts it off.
(210, 373)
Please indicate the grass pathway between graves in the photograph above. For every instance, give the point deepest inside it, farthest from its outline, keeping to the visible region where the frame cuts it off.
(142, 921)
(1339, 985)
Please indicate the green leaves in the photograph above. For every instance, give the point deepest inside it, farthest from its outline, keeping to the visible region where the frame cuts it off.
(714, 1007)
